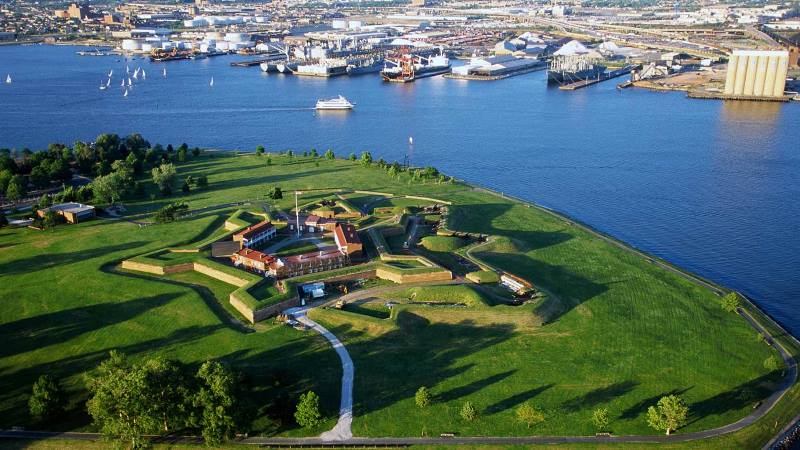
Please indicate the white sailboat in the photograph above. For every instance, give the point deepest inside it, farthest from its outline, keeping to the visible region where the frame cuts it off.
(164, 72)
(212, 82)
(8, 79)
(122, 83)
(108, 83)
(110, 72)
(127, 69)
(130, 83)
(144, 75)
(136, 75)
(126, 93)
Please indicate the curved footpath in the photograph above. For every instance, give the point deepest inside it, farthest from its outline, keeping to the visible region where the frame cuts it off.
(340, 432)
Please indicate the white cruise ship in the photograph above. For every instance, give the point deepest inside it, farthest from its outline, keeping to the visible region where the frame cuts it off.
(334, 103)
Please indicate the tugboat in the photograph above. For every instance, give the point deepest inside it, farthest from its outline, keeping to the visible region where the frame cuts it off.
(339, 103)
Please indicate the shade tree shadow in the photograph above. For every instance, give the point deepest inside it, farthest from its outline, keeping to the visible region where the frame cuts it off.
(32, 333)
(600, 395)
(50, 260)
(516, 399)
(641, 407)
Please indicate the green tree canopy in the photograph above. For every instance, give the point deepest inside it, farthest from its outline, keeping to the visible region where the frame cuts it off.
(164, 176)
(423, 397)
(669, 414)
(529, 415)
(215, 403)
(307, 413)
(47, 398)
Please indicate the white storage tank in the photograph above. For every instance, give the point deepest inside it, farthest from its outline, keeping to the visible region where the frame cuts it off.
(131, 45)
(354, 24)
(147, 47)
(167, 45)
(223, 46)
(215, 36)
(339, 24)
(237, 37)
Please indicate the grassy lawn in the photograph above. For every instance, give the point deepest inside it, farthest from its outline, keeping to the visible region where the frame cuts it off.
(613, 331)
(442, 243)
(299, 247)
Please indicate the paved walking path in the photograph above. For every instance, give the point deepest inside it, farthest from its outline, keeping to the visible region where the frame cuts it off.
(341, 431)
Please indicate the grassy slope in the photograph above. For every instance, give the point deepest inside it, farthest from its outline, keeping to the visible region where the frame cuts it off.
(622, 332)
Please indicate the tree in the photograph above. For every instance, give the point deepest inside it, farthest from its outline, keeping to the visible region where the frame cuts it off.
(423, 397)
(269, 160)
(314, 153)
(182, 154)
(5, 178)
(170, 148)
(731, 302)
(170, 212)
(529, 415)
(600, 418)
(468, 412)
(185, 187)
(669, 414)
(39, 176)
(164, 176)
(366, 159)
(307, 412)
(215, 403)
(119, 403)
(289, 153)
(352, 157)
(109, 188)
(50, 220)
(196, 152)
(47, 399)
(259, 150)
(202, 181)
(275, 193)
(329, 154)
(3, 220)
(16, 188)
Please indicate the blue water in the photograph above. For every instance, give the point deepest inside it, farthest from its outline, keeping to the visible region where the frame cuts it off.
(711, 186)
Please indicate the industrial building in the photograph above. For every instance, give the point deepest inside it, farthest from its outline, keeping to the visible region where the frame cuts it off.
(71, 212)
(757, 73)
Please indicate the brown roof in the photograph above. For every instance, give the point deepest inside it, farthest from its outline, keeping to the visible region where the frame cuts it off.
(313, 219)
(255, 255)
(253, 230)
(347, 233)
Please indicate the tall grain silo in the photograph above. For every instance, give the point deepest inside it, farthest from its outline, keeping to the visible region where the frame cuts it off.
(757, 73)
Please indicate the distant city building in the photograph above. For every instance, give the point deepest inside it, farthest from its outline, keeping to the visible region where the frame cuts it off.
(78, 11)
(757, 73)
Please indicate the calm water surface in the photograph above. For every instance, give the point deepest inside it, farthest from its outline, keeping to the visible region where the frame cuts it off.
(713, 187)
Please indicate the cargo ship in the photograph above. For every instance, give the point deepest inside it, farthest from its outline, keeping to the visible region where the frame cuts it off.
(408, 67)
(573, 68)
(328, 68)
(365, 65)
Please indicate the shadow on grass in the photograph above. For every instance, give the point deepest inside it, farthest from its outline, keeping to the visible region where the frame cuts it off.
(516, 400)
(743, 395)
(641, 407)
(600, 396)
(37, 262)
(211, 300)
(22, 336)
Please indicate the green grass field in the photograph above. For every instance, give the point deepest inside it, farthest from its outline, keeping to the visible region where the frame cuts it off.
(618, 332)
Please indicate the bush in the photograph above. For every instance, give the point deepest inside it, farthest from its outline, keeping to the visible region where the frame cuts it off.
(468, 412)
(307, 412)
(731, 302)
(442, 243)
(170, 212)
(423, 397)
(47, 399)
(600, 418)
(275, 193)
(772, 363)
(529, 415)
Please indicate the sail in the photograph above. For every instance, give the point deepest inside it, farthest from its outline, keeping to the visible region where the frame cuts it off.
(8, 78)
(212, 82)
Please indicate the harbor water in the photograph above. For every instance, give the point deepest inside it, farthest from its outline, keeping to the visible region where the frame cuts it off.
(711, 186)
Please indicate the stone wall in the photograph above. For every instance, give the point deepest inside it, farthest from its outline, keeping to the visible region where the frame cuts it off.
(440, 275)
(219, 275)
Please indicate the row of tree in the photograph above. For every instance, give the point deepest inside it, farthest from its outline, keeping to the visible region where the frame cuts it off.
(21, 171)
(669, 414)
(131, 400)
